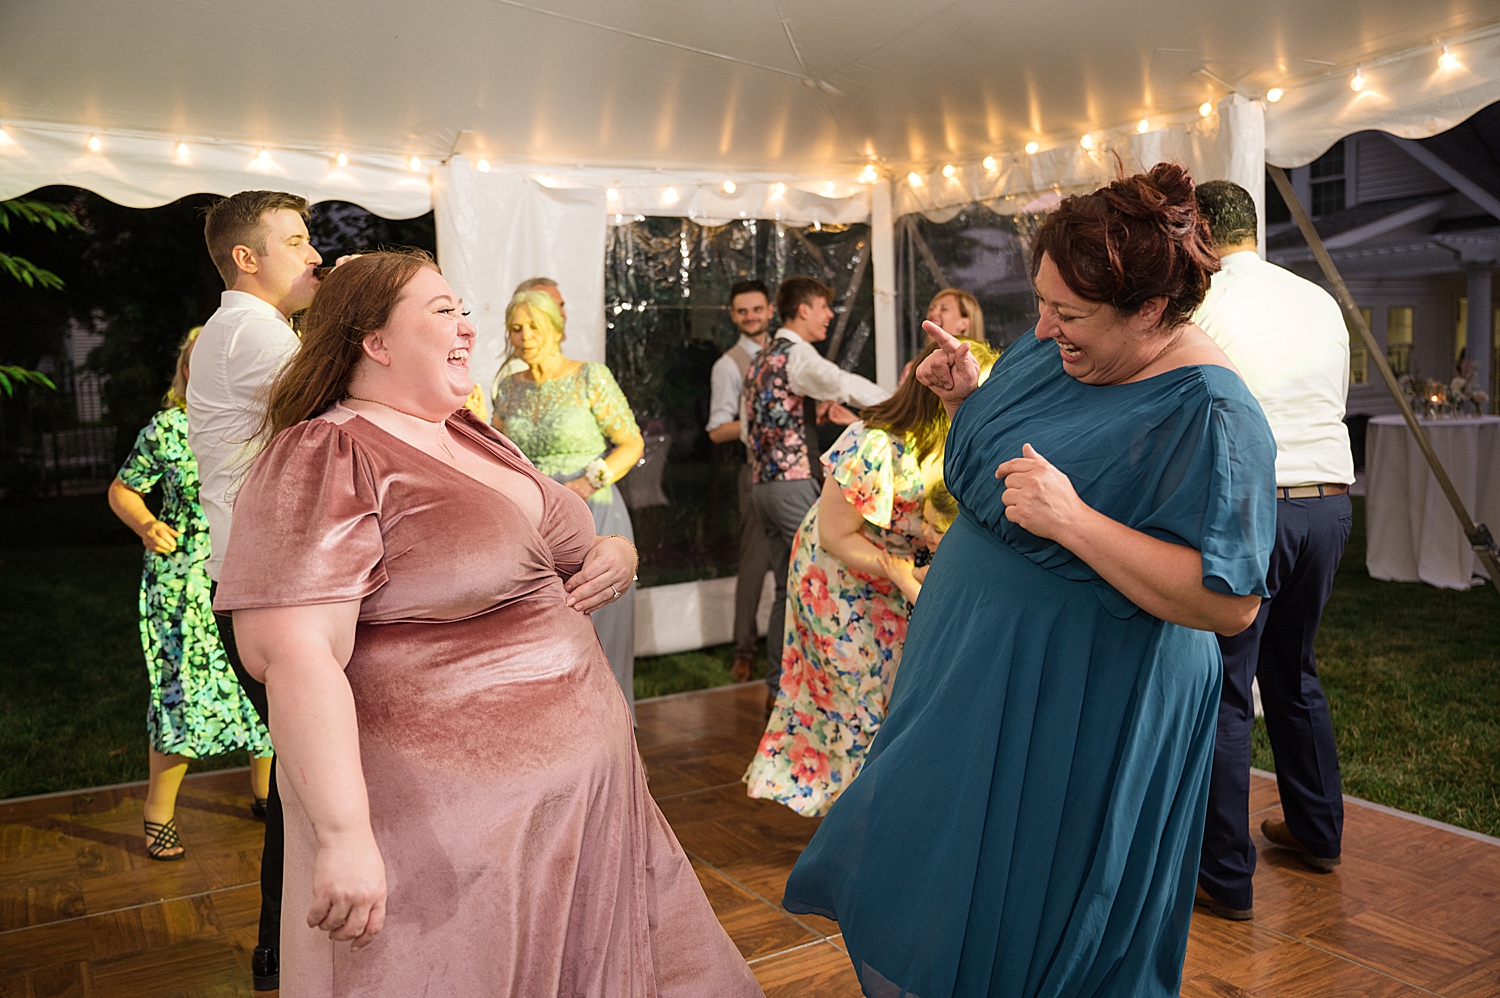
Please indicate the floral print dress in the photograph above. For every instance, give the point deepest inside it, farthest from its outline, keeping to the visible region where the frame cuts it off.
(844, 631)
(197, 708)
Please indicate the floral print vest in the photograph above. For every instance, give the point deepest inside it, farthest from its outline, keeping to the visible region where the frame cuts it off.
(778, 418)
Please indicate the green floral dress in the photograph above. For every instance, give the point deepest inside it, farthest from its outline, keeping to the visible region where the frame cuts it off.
(197, 708)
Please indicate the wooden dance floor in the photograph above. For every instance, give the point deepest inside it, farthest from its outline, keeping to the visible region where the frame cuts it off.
(1413, 910)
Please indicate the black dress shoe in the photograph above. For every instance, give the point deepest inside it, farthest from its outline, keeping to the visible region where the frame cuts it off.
(265, 968)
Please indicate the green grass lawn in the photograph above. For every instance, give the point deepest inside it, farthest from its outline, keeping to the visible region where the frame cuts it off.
(1412, 673)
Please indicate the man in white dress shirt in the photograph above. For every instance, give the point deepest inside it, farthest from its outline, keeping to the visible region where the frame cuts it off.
(779, 409)
(259, 242)
(1288, 339)
(750, 311)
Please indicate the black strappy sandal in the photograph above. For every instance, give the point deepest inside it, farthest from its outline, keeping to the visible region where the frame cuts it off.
(161, 836)
(258, 806)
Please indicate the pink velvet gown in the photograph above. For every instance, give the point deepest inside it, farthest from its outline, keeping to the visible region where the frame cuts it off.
(524, 856)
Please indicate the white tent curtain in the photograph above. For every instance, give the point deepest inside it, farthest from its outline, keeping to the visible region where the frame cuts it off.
(495, 230)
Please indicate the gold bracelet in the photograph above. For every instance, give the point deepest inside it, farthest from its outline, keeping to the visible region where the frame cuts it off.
(634, 572)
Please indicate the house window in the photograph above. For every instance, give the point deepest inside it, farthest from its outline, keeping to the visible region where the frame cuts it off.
(1398, 326)
(1359, 357)
(1327, 176)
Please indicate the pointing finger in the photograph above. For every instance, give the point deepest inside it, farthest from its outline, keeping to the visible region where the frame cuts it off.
(941, 335)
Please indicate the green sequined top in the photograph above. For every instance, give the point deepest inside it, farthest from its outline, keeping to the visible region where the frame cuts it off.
(565, 423)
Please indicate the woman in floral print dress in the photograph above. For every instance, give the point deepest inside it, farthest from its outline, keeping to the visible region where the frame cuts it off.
(846, 620)
(196, 706)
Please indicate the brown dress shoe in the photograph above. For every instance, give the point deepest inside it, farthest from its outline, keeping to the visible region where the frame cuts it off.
(1275, 829)
(740, 670)
(1205, 900)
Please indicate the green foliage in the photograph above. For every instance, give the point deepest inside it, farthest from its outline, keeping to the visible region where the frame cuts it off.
(11, 375)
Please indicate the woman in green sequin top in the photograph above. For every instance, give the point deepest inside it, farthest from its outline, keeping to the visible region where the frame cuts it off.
(196, 707)
(573, 422)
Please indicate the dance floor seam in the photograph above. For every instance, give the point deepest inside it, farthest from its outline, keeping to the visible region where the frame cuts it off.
(1413, 911)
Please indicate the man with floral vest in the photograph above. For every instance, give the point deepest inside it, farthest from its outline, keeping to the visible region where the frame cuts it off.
(788, 388)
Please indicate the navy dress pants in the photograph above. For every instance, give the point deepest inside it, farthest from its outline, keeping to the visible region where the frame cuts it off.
(1278, 650)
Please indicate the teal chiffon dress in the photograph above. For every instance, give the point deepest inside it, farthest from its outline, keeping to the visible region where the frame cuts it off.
(1029, 818)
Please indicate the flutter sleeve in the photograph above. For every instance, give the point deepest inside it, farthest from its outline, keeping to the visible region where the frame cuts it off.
(306, 526)
(863, 463)
(145, 464)
(1239, 523)
(609, 405)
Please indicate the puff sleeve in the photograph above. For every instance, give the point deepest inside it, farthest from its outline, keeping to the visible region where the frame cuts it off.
(306, 526)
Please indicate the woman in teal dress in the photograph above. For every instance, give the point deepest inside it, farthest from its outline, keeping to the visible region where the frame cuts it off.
(196, 707)
(1028, 820)
(573, 422)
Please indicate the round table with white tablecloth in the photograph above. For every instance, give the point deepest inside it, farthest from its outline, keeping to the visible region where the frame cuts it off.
(1412, 533)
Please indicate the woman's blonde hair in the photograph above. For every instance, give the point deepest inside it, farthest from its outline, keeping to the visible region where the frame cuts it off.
(968, 307)
(356, 299)
(914, 411)
(177, 395)
(944, 506)
(534, 301)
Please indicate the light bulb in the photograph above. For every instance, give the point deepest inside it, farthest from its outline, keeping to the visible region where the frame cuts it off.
(829, 188)
(1087, 141)
(415, 163)
(483, 166)
(778, 189)
(182, 150)
(1143, 126)
(669, 196)
(342, 159)
(914, 178)
(94, 144)
(1447, 60)
(1032, 147)
(261, 156)
(4, 136)
(729, 187)
(868, 175)
(612, 194)
(1357, 81)
(949, 171)
(989, 163)
(1205, 109)
(1274, 94)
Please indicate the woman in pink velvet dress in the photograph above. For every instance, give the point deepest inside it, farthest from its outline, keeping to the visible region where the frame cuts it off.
(463, 798)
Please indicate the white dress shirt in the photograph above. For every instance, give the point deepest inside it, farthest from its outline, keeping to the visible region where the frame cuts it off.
(724, 384)
(1287, 336)
(811, 375)
(242, 347)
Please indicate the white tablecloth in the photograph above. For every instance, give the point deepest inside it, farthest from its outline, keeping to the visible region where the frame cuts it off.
(1412, 533)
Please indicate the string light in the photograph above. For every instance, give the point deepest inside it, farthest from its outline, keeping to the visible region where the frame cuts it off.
(1274, 94)
(1205, 109)
(729, 187)
(262, 155)
(1087, 141)
(1447, 60)
(94, 144)
(182, 150)
(483, 166)
(1143, 126)
(4, 136)
(342, 159)
(669, 196)
(414, 164)
(989, 163)
(1357, 81)
(1032, 147)
(612, 194)
(949, 171)
(914, 178)
(829, 188)
(869, 175)
(778, 189)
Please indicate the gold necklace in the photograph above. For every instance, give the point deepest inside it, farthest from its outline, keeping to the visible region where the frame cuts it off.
(441, 423)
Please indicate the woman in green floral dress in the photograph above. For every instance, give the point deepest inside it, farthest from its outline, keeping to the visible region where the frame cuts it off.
(573, 422)
(196, 706)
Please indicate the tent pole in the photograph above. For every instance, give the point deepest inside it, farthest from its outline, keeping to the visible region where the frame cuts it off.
(1477, 533)
(883, 271)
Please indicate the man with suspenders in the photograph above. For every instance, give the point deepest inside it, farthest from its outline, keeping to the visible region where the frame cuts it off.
(750, 311)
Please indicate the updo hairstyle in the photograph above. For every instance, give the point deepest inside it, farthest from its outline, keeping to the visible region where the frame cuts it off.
(1137, 239)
